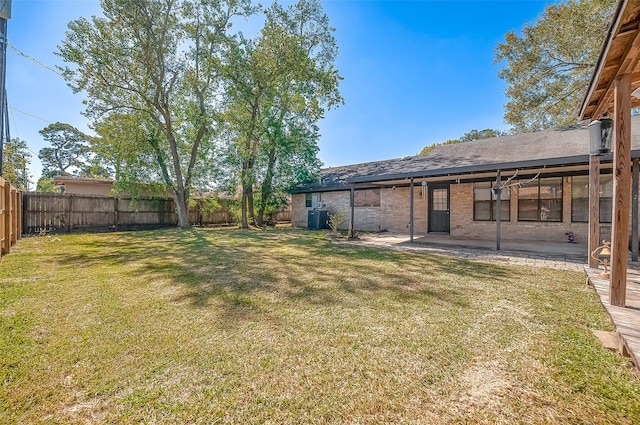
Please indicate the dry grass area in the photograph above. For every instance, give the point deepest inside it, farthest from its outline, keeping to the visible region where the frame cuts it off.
(283, 326)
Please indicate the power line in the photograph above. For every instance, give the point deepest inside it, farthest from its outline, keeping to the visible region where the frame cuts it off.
(15, 126)
(31, 115)
(32, 59)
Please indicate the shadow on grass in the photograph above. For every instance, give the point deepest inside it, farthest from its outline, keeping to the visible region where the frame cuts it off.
(245, 270)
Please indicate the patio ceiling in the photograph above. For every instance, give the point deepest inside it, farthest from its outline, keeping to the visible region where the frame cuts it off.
(620, 55)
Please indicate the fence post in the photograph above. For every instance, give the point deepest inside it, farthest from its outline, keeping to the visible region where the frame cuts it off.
(70, 213)
(14, 215)
(19, 209)
(2, 216)
(115, 214)
(161, 213)
(6, 194)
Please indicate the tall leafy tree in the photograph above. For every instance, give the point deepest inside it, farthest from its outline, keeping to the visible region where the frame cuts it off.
(282, 83)
(548, 66)
(159, 59)
(15, 162)
(122, 148)
(68, 152)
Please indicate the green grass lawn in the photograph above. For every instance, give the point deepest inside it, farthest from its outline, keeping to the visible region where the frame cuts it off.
(283, 326)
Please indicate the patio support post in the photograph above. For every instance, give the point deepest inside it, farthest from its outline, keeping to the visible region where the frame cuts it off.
(594, 208)
(411, 211)
(425, 195)
(634, 210)
(621, 190)
(498, 193)
(351, 224)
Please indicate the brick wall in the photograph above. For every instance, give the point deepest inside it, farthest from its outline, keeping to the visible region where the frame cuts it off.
(298, 210)
(463, 226)
(393, 215)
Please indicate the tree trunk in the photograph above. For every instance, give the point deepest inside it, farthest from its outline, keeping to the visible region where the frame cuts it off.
(250, 206)
(243, 178)
(182, 208)
(245, 224)
(247, 193)
(267, 187)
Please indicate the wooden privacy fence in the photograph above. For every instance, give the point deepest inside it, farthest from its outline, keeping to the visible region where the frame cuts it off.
(66, 213)
(10, 216)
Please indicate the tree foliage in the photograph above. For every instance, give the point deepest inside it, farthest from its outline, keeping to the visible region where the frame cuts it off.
(15, 162)
(68, 152)
(122, 147)
(548, 66)
(160, 60)
(469, 136)
(427, 149)
(281, 84)
(487, 133)
(45, 184)
(175, 98)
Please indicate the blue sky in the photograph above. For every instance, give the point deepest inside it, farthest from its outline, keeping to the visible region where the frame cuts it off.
(415, 73)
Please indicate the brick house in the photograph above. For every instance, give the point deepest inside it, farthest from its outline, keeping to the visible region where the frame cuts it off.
(545, 177)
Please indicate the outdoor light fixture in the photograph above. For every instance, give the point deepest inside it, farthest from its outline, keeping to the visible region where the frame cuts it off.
(496, 188)
(603, 254)
(600, 134)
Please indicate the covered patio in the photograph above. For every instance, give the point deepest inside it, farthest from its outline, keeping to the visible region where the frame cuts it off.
(611, 94)
(560, 255)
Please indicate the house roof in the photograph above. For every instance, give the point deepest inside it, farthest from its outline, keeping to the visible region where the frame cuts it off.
(547, 148)
(620, 55)
(61, 180)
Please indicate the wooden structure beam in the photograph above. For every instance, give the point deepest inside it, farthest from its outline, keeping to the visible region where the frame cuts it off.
(619, 56)
(616, 77)
(621, 189)
(635, 168)
(594, 208)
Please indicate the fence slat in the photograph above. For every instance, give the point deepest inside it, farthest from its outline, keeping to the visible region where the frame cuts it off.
(46, 213)
(10, 216)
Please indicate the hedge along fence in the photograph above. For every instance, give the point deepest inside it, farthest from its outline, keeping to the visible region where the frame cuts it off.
(45, 213)
(10, 216)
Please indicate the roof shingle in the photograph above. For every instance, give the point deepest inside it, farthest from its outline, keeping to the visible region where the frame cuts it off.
(547, 147)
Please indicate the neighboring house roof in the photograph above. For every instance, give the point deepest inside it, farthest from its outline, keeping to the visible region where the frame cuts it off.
(61, 180)
(556, 147)
(84, 185)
